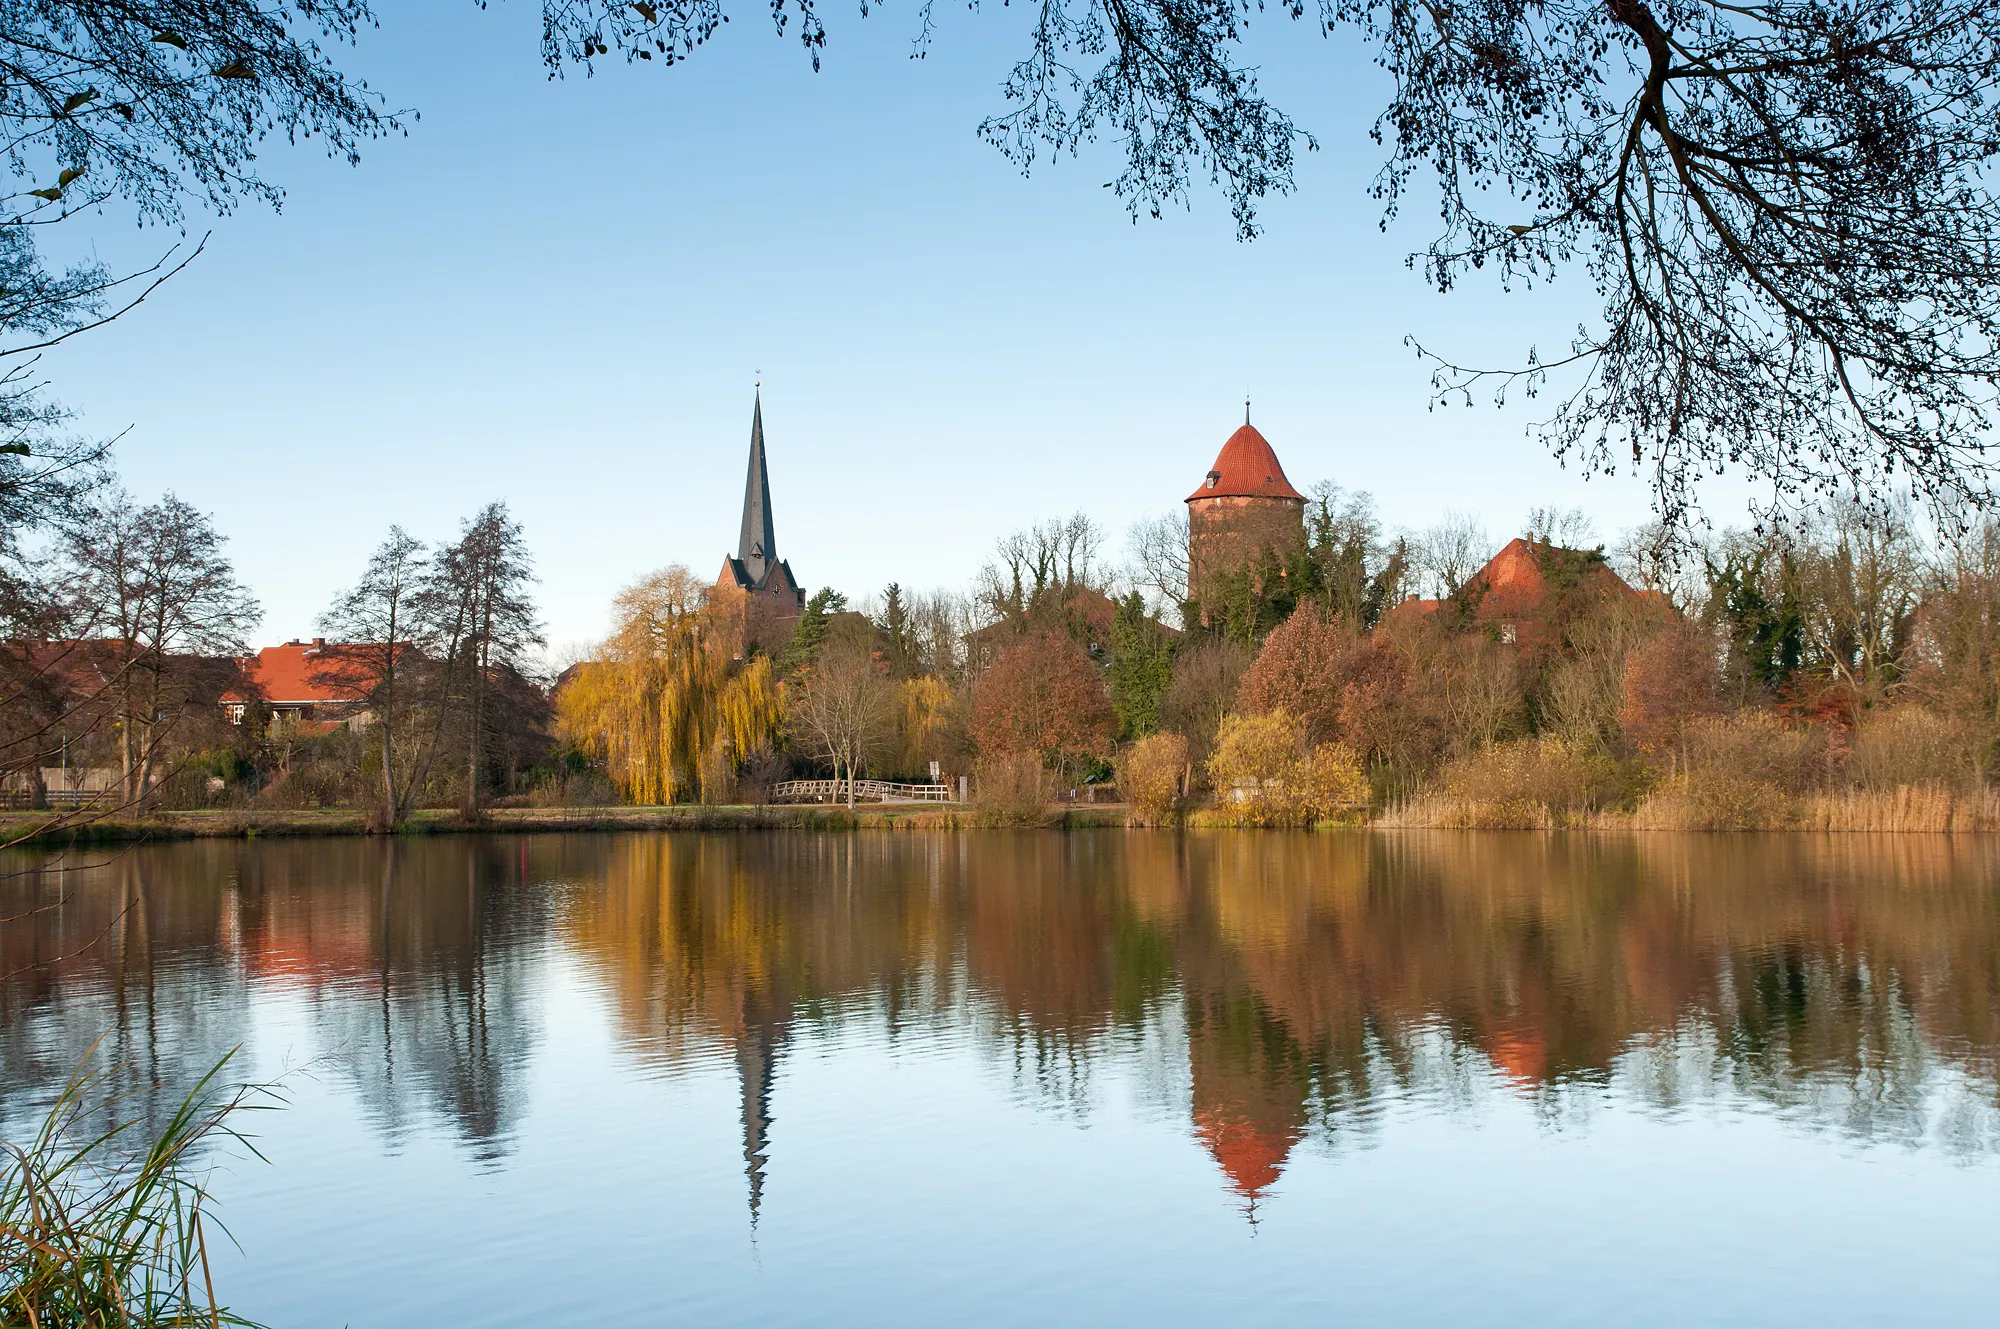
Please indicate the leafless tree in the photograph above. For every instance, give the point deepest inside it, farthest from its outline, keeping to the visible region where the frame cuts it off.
(939, 621)
(1864, 571)
(380, 635)
(1202, 689)
(1157, 549)
(1038, 569)
(1654, 557)
(477, 594)
(1565, 528)
(1448, 553)
(170, 598)
(845, 711)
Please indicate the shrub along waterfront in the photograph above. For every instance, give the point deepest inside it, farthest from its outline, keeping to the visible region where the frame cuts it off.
(1842, 674)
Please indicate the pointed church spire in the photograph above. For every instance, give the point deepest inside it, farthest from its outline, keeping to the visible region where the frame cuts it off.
(757, 544)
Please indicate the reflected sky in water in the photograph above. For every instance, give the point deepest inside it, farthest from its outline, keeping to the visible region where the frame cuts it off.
(909, 1079)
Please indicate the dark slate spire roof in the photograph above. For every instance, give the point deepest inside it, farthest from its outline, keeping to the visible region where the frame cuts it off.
(757, 545)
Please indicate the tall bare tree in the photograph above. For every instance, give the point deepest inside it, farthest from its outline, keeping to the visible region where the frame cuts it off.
(1158, 549)
(1448, 553)
(170, 599)
(478, 591)
(845, 711)
(380, 630)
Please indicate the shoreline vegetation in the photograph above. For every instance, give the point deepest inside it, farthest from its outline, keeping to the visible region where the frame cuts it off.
(1912, 809)
(1844, 676)
(107, 1221)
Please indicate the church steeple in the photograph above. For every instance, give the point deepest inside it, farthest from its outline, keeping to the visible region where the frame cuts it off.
(757, 544)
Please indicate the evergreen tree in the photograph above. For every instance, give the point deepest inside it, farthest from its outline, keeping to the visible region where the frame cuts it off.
(1142, 658)
(1765, 624)
(898, 637)
(810, 633)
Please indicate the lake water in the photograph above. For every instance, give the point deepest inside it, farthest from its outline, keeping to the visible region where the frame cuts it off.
(1059, 1079)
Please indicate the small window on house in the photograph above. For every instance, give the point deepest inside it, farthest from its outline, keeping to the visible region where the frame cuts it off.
(1214, 479)
(1507, 634)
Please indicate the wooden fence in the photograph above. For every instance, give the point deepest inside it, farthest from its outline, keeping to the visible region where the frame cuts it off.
(58, 798)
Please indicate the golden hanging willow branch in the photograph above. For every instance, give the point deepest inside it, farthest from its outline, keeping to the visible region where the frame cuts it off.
(667, 707)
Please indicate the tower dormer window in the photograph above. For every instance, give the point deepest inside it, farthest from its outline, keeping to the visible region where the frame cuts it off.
(1214, 479)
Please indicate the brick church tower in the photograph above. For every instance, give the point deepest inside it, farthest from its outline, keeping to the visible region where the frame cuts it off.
(771, 597)
(1244, 508)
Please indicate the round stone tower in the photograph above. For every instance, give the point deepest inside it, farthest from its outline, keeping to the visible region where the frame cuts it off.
(1244, 509)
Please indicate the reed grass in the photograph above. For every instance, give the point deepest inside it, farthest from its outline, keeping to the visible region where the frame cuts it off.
(1446, 812)
(99, 1228)
(1924, 807)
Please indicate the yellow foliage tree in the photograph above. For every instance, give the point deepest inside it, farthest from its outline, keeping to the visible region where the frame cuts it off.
(924, 721)
(1267, 775)
(1151, 773)
(666, 706)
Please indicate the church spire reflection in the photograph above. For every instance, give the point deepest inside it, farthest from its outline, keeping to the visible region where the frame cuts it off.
(759, 1042)
(1281, 989)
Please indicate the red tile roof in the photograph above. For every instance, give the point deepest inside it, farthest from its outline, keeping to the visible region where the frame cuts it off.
(299, 673)
(1246, 468)
(1513, 585)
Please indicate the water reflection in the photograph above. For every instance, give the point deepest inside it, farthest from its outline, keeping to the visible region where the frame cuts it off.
(1282, 989)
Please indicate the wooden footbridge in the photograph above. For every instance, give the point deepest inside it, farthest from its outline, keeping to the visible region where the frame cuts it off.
(865, 791)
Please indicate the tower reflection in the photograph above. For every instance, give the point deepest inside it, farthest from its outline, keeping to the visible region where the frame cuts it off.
(1296, 983)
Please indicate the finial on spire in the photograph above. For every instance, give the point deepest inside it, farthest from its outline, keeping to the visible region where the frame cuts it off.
(1246, 408)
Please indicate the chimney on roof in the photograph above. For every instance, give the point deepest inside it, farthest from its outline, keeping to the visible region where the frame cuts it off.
(319, 643)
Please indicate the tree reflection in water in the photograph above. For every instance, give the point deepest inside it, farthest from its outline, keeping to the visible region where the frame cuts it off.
(1273, 991)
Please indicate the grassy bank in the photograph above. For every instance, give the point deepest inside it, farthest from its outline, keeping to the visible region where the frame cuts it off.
(53, 828)
(1917, 809)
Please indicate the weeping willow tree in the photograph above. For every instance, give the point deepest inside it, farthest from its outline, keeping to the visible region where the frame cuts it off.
(924, 721)
(668, 704)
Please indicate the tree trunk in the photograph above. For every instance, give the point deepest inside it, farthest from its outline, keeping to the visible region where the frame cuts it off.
(388, 723)
(388, 769)
(475, 754)
(126, 763)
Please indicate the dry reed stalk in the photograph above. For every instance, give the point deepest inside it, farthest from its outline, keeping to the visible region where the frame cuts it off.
(1921, 808)
(1444, 813)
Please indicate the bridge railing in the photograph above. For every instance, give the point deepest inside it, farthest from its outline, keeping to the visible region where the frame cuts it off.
(865, 791)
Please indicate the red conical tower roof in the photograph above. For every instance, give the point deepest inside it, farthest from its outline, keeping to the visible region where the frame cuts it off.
(1251, 1155)
(1246, 468)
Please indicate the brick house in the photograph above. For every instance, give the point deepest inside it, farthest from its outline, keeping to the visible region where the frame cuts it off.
(1529, 583)
(302, 682)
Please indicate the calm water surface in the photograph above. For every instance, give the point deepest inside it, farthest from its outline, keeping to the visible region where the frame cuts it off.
(1085, 1079)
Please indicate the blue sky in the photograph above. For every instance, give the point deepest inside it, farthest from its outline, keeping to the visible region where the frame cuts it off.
(558, 294)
